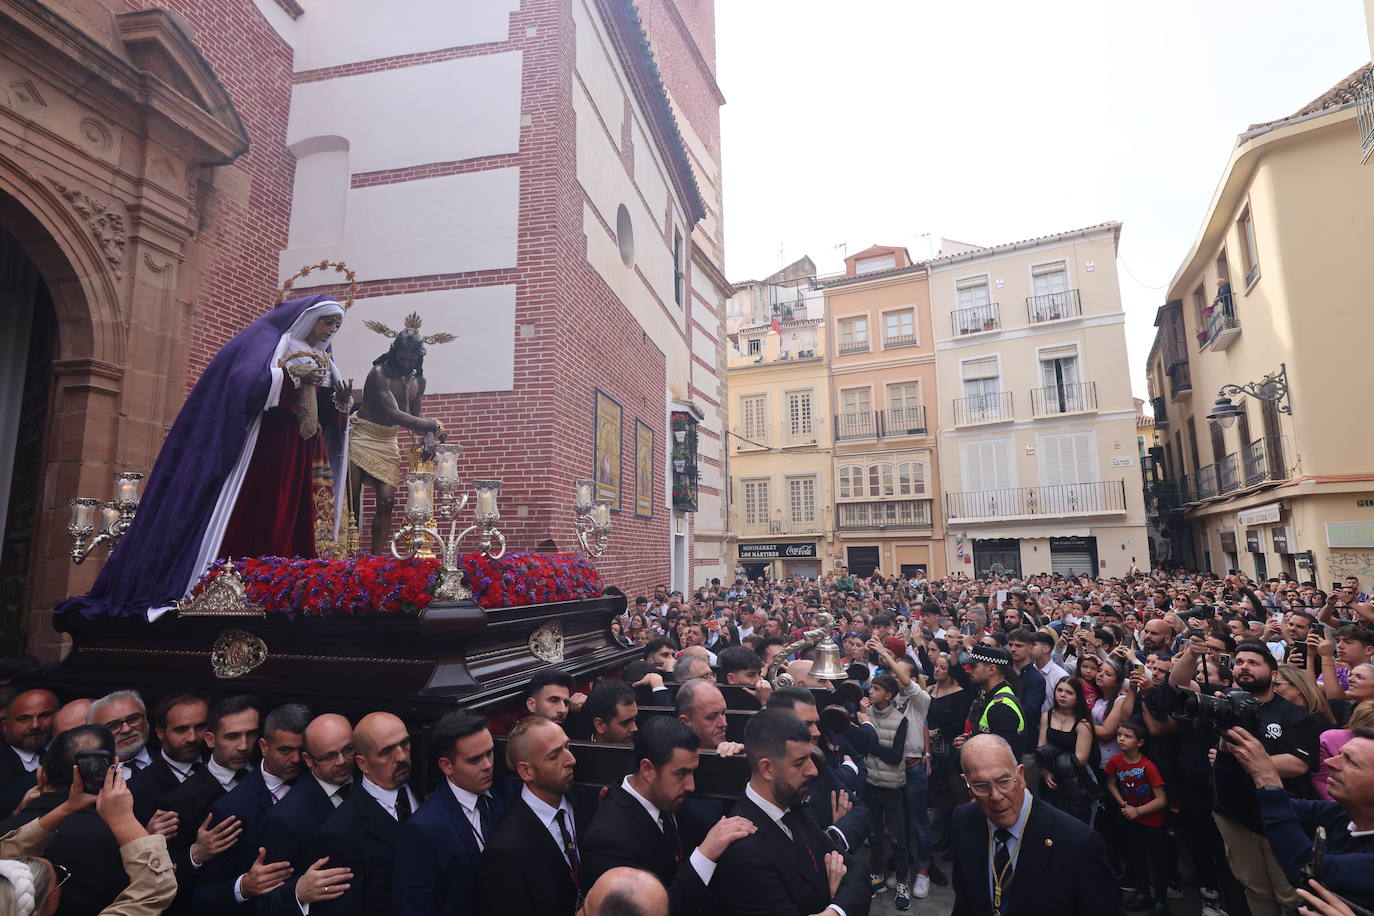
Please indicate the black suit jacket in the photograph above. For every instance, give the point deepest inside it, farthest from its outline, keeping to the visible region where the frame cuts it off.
(291, 824)
(1061, 867)
(191, 801)
(88, 850)
(150, 785)
(522, 871)
(361, 835)
(768, 874)
(436, 859)
(249, 802)
(622, 833)
(14, 779)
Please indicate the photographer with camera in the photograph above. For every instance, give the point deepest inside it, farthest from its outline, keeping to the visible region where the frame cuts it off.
(1346, 864)
(1288, 735)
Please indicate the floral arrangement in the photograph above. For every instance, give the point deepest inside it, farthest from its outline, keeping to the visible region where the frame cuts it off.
(518, 579)
(366, 585)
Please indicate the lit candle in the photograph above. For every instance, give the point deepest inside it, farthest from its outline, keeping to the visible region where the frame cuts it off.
(446, 466)
(83, 513)
(583, 499)
(486, 497)
(126, 488)
(108, 516)
(418, 502)
(601, 515)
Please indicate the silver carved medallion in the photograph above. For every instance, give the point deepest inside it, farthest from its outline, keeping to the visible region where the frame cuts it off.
(235, 653)
(547, 642)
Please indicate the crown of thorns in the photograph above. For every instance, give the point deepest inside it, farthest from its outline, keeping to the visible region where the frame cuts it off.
(412, 326)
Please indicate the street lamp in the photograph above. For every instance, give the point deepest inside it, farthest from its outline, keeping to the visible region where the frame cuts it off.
(1273, 387)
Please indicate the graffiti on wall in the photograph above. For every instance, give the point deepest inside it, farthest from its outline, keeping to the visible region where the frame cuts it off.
(1352, 563)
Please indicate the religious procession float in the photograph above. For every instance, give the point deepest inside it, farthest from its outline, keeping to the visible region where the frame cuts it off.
(239, 567)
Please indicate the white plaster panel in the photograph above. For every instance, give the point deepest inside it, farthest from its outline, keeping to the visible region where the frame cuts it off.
(416, 228)
(650, 180)
(706, 317)
(334, 32)
(322, 179)
(710, 476)
(597, 71)
(281, 23)
(704, 349)
(391, 121)
(481, 359)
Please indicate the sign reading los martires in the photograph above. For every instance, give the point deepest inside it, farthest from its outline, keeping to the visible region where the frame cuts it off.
(776, 551)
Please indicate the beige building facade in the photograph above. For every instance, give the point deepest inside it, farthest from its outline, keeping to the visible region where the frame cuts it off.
(1037, 449)
(882, 386)
(1271, 298)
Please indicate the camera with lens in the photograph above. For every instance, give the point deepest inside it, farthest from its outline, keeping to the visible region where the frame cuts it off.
(1234, 708)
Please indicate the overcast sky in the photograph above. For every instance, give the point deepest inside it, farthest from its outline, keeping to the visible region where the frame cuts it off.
(878, 121)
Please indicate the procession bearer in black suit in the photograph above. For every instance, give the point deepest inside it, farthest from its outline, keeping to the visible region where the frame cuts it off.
(1014, 856)
(787, 868)
(639, 823)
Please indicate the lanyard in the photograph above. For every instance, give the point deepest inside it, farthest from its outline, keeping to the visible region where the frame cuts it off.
(1000, 878)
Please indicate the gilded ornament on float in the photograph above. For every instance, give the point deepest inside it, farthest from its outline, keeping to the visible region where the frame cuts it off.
(225, 596)
(546, 643)
(236, 653)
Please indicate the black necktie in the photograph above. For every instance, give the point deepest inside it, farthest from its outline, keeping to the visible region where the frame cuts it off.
(240, 775)
(484, 816)
(671, 835)
(570, 850)
(793, 819)
(341, 793)
(402, 804)
(1001, 860)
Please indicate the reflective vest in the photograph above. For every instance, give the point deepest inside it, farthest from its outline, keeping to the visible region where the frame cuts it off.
(1007, 697)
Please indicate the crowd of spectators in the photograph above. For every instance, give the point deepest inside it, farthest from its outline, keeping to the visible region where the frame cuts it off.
(1200, 730)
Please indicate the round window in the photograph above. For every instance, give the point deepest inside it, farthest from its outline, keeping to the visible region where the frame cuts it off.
(625, 235)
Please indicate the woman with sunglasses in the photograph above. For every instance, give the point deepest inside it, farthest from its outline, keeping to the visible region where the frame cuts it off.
(32, 886)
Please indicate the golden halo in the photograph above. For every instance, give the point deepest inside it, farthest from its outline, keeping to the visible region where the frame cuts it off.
(340, 266)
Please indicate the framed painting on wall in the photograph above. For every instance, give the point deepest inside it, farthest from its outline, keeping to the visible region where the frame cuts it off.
(606, 448)
(644, 469)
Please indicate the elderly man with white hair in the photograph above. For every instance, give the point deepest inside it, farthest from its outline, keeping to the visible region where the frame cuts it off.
(126, 716)
(1012, 853)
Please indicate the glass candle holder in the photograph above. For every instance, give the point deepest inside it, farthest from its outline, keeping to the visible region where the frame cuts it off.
(487, 491)
(446, 464)
(83, 513)
(584, 495)
(419, 496)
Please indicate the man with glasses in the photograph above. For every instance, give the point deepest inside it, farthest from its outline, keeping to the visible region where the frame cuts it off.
(125, 715)
(1014, 856)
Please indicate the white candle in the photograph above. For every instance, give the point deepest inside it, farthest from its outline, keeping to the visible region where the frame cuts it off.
(418, 496)
(486, 503)
(601, 515)
(446, 468)
(126, 490)
(83, 514)
(584, 493)
(108, 516)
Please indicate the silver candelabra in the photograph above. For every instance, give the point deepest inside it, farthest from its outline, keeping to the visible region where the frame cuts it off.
(591, 519)
(111, 518)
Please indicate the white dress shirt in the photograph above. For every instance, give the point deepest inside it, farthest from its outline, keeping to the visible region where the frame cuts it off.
(703, 866)
(223, 775)
(387, 797)
(331, 791)
(29, 759)
(277, 786)
(180, 770)
(468, 802)
(1013, 843)
(775, 814)
(546, 814)
(135, 763)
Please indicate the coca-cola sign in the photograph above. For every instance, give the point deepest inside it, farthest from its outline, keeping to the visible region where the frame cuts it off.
(776, 551)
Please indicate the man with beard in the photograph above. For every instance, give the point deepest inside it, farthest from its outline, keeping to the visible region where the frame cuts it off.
(996, 710)
(233, 878)
(125, 715)
(638, 824)
(28, 729)
(532, 864)
(788, 865)
(179, 723)
(1289, 735)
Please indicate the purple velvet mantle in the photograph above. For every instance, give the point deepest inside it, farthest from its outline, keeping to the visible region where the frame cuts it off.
(152, 564)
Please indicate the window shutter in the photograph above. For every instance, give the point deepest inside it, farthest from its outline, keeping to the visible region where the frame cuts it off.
(980, 368)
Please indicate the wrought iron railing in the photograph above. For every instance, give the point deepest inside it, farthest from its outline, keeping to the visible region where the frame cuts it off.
(1107, 496)
(776, 527)
(903, 513)
(1207, 482)
(1364, 114)
(1222, 319)
(1160, 406)
(978, 318)
(1228, 473)
(858, 425)
(905, 421)
(1074, 397)
(750, 437)
(899, 340)
(1262, 460)
(854, 346)
(983, 408)
(1053, 306)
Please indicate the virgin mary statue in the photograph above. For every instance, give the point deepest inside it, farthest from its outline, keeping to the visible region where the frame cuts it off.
(247, 468)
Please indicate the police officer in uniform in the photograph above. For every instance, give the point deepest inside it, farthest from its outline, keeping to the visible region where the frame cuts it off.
(997, 708)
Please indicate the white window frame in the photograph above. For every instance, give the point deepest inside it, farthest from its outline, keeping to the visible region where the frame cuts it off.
(897, 312)
(810, 394)
(849, 319)
(767, 483)
(760, 434)
(1094, 457)
(815, 491)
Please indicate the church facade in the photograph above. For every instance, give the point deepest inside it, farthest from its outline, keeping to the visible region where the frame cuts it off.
(539, 178)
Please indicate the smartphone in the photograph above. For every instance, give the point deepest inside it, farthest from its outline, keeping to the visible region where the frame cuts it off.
(1319, 629)
(93, 765)
(1224, 659)
(981, 599)
(1337, 586)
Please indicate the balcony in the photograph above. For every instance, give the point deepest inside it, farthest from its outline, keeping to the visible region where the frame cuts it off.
(853, 346)
(750, 438)
(899, 340)
(983, 408)
(1207, 482)
(1222, 328)
(862, 424)
(1073, 397)
(1228, 473)
(905, 514)
(1262, 461)
(979, 318)
(780, 527)
(904, 421)
(1364, 112)
(1053, 306)
(1175, 351)
(1180, 382)
(1106, 497)
(1161, 411)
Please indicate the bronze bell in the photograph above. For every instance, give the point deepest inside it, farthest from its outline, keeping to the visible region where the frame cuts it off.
(826, 664)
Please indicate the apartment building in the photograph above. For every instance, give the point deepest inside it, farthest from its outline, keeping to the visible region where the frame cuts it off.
(1036, 425)
(882, 378)
(778, 448)
(1257, 375)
